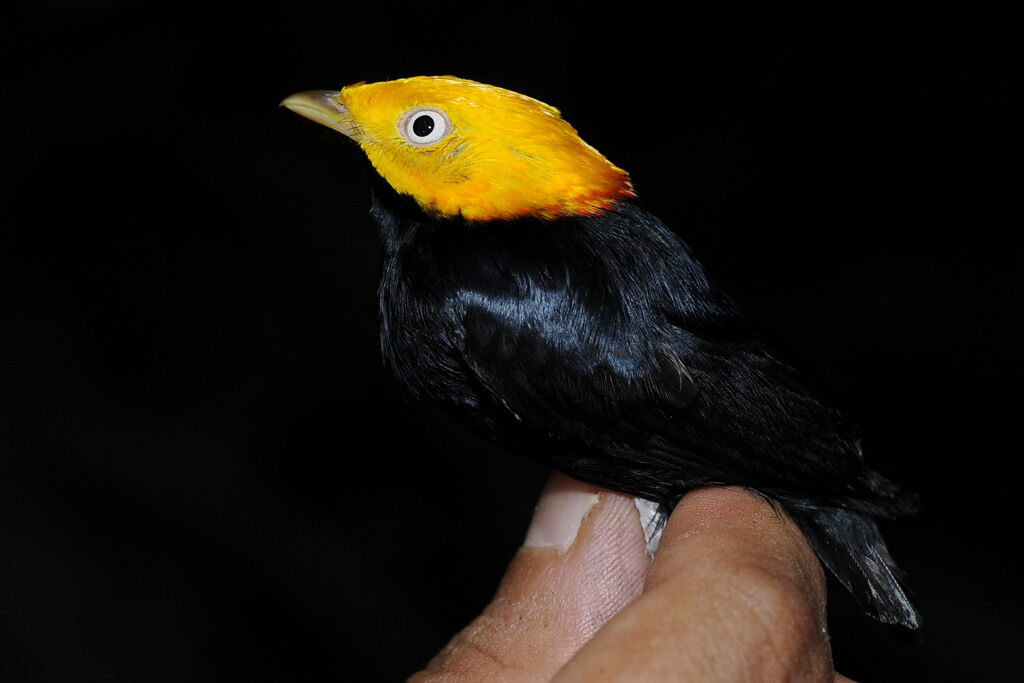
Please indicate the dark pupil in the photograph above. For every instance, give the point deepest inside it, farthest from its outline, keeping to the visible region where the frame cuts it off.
(422, 126)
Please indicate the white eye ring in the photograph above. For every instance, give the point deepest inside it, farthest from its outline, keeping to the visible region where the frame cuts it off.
(424, 126)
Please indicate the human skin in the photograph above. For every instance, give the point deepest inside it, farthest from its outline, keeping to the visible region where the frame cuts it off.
(734, 593)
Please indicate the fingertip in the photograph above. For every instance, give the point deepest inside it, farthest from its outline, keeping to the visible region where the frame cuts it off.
(737, 526)
(731, 588)
(582, 561)
(719, 506)
(599, 563)
(736, 513)
(560, 511)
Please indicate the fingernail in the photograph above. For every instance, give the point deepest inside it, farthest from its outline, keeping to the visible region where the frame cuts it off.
(561, 509)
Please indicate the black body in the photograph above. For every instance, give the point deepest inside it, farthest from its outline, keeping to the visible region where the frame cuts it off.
(599, 345)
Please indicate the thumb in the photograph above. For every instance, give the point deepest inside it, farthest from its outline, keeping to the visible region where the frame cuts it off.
(583, 560)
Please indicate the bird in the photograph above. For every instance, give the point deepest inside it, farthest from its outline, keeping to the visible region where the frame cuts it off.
(526, 289)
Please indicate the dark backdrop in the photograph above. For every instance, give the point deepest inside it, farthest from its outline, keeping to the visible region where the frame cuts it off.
(206, 472)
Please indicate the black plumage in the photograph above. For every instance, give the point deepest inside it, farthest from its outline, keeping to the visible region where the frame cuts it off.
(599, 345)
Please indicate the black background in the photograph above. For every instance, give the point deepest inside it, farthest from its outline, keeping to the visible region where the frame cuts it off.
(207, 474)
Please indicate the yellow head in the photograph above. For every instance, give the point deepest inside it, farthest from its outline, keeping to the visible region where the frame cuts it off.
(461, 148)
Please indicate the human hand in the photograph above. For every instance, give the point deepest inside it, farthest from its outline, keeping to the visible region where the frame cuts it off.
(734, 593)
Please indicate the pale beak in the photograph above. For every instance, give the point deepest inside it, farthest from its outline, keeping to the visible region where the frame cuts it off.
(324, 107)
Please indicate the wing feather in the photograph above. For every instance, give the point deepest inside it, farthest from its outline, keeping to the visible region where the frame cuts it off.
(620, 343)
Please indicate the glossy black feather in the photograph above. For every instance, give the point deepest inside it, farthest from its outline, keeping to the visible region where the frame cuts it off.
(600, 345)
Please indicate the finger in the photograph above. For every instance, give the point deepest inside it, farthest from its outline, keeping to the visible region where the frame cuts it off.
(583, 560)
(735, 593)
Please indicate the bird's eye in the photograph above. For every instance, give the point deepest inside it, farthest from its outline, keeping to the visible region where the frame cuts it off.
(425, 125)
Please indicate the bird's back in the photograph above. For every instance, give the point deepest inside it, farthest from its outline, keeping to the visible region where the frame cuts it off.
(601, 339)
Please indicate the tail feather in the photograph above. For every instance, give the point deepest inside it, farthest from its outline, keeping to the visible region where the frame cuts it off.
(850, 545)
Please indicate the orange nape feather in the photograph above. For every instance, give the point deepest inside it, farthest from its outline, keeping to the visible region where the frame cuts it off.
(497, 154)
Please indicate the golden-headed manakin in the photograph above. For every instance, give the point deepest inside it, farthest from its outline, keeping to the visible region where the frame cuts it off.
(527, 290)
